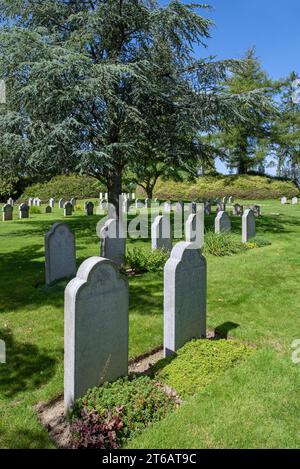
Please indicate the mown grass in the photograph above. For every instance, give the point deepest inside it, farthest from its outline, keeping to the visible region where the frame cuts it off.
(252, 296)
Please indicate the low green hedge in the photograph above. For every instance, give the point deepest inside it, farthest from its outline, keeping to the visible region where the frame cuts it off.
(82, 187)
(241, 187)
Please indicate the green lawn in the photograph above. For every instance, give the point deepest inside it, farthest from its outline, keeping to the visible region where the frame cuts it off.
(252, 296)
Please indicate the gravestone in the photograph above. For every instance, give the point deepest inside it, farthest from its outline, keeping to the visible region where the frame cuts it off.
(194, 230)
(89, 209)
(104, 205)
(96, 328)
(10, 202)
(295, 201)
(167, 207)
(248, 226)
(193, 207)
(224, 200)
(113, 241)
(179, 207)
(73, 202)
(161, 233)
(61, 203)
(284, 200)
(30, 202)
(231, 200)
(207, 208)
(68, 209)
(218, 200)
(126, 206)
(60, 254)
(256, 209)
(101, 196)
(38, 202)
(7, 212)
(138, 204)
(184, 297)
(23, 211)
(222, 223)
(221, 207)
(147, 203)
(52, 202)
(238, 210)
(48, 209)
(133, 196)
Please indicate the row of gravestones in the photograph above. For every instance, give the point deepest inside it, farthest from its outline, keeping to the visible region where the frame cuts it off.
(60, 249)
(284, 201)
(96, 317)
(223, 225)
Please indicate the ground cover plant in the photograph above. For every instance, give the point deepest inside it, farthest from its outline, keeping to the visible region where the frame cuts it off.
(125, 407)
(248, 298)
(199, 363)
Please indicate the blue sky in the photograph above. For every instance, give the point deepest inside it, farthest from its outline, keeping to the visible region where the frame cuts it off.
(273, 26)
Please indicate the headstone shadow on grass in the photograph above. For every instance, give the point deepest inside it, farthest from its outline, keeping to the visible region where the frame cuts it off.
(27, 366)
(222, 331)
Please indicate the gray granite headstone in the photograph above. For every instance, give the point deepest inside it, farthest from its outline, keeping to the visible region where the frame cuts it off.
(194, 229)
(52, 202)
(96, 328)
(7, 212)
(248, 226)
(284, 200)
(68, 209)
(221, 207)
(184, 297)
(73, 202)
(222, 223)
(89, 209)
(60, 253)
(61, 203)
(238, 210)
(207, 208)
(23, 211)
(231, 200)
(294, 200)
(167, 207)
(161, 233)
(256, 209)
(48, 209)
(113, 242)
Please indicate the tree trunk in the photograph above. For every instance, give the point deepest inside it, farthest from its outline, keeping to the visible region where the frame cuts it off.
(114, 186)
(149, 190)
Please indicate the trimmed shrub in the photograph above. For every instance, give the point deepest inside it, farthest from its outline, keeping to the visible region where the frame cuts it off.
(241, 187)
(108, 415)
(199, 363)
(82, 187)
(223, 244)
(146, 260)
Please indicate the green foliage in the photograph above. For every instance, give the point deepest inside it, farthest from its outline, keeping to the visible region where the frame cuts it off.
(67, 187)
(140, 399)
(35, 210)
(146, 260)
(223, 244)
(257, 243)
(199, 363)
(241, 187)
(244, 146)
(7, 187)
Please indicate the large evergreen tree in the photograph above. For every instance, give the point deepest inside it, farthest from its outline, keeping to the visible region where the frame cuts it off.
(286, 131)
(244, 146)
(96, 86)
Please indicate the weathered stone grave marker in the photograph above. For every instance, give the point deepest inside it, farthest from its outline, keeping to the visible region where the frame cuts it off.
(60, 253)
(161, 233)
(96, 328)
(248, 226)
(184, 297)
(222, 223)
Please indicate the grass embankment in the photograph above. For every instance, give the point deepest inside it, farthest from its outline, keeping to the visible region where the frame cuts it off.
(243, 187)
